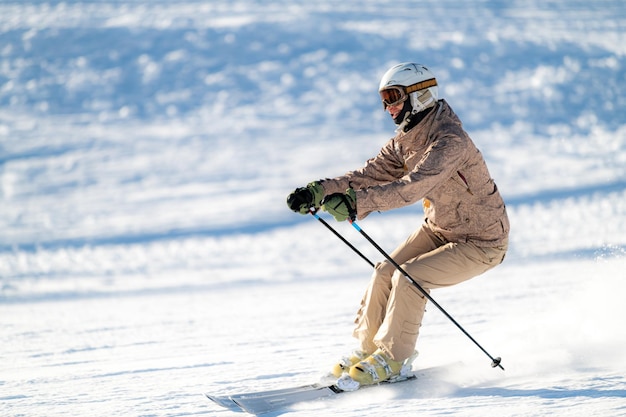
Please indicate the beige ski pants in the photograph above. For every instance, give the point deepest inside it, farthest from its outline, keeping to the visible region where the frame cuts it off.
(392, 309)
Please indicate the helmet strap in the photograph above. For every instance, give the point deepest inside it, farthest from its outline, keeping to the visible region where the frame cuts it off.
(413, 119)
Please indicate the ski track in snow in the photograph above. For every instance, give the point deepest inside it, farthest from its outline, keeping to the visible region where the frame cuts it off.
(146, 253)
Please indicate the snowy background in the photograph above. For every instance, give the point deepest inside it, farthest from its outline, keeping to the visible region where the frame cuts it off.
(147, 255)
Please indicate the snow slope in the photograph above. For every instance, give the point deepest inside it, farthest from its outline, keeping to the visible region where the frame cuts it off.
(147, 255)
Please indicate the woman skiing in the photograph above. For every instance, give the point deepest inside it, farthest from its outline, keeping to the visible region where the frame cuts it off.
(465, 230)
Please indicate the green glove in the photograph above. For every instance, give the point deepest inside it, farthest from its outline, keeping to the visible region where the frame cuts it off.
(302, 199)
(341, 206)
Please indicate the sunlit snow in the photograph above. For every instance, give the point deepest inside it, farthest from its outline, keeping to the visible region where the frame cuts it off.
(147, 255)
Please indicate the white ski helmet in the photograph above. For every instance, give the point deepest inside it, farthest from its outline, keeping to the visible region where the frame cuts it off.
(409, 80)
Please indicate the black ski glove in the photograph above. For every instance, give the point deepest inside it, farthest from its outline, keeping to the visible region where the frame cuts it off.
(302, 199)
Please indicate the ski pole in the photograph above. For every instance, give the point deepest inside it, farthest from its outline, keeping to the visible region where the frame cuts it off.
(495, 362)
(329, 227)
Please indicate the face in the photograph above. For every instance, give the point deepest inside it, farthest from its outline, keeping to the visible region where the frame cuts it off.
(394, 111)
(394, 99)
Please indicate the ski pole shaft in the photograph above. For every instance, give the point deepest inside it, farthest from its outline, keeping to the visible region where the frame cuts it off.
(495, 362)
(329, 227)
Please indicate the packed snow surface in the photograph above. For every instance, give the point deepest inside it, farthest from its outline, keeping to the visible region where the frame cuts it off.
(147, 255)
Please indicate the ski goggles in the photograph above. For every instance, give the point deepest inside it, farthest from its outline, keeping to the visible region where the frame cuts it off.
(397, 94)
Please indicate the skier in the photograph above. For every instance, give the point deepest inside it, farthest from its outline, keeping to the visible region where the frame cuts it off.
(465, 228)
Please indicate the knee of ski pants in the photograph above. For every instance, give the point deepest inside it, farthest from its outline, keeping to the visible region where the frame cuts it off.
(383, 271)
(404, 285)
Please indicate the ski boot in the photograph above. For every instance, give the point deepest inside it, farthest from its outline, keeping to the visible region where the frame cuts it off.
(376, 368)
(347, 361)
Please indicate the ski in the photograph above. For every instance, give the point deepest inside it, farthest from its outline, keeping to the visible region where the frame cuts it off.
(272, 400)
(232, 401)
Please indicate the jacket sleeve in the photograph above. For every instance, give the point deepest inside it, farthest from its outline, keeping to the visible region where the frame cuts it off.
(385, 167)
(437, 164)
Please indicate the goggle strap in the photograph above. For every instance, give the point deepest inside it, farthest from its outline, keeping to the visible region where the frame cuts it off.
(421, 85)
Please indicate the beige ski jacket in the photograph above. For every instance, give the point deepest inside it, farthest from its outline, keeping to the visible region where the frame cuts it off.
(437, 162)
